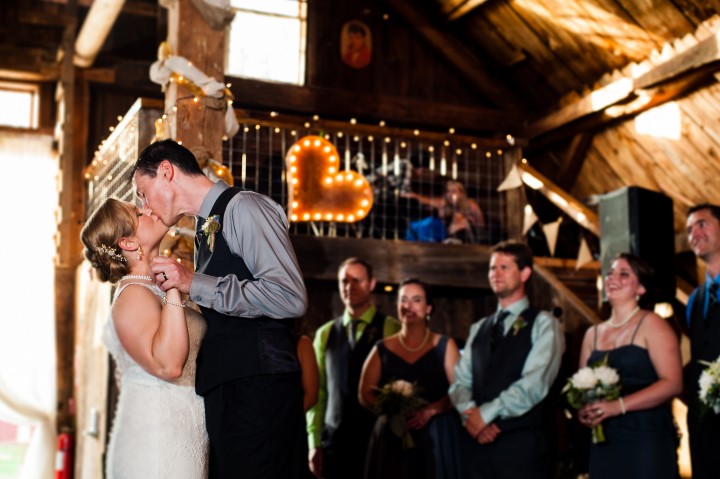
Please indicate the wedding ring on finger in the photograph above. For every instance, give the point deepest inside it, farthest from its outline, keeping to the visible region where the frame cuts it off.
(164, 275)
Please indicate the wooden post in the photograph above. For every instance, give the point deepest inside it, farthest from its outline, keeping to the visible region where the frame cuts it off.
(514, 199)
(190, 36)
(71, 218)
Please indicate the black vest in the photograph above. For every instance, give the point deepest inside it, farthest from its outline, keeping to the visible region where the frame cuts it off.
(704, 345)
(494, 372)
(347, 423)
(235, 347)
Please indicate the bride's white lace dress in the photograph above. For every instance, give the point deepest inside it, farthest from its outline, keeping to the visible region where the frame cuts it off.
(159, 427)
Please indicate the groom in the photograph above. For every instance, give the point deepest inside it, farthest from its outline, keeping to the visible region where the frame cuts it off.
(249, 286)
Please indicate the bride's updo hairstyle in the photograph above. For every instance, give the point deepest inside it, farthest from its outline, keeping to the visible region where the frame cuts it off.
(112, 220)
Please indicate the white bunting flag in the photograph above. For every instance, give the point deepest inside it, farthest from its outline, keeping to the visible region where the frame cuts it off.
(511, 181)
(529, 220)
(551, 234)
(584, 255)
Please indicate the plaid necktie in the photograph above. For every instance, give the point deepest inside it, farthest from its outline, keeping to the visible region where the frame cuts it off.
(712, 305)
(498, 329)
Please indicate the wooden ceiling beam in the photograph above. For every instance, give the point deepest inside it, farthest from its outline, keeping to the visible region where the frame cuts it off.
(464, 8)
(458, 55)
(642, 101)
(573, 159)
(132, 7)
(44, 17)
(575, 209)
(628, 96)
(255, 94)
(31, 64)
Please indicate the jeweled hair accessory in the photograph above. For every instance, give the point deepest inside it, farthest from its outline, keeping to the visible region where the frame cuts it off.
(111, 253)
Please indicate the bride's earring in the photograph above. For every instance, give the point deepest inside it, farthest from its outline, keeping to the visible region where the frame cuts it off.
(139, 253)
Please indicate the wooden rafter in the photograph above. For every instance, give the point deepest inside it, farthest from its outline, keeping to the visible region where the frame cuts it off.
(457, 54)
(260, 95)
(572, 161)
(464, 8)
(630, 96)
(575, 209)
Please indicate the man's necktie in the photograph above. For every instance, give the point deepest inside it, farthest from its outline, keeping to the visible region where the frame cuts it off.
(353, 331)
(712, 305)
(498, 329)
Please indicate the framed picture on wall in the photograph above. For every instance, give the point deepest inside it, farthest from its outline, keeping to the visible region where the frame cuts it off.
(356, 44)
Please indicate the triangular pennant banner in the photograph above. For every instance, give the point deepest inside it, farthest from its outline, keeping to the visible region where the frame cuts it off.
(529, 220)
(511, 181)
(584, 255)
(551, 235)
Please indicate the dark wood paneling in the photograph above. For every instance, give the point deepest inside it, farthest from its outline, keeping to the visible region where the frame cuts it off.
(461, 266)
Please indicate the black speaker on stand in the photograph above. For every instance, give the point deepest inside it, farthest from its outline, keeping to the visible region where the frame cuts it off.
(639, 221)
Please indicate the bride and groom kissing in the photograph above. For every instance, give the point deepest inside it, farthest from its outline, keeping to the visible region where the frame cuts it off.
(216, 394)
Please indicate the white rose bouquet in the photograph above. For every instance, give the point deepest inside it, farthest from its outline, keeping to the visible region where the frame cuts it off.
(709, 383)
(591, 384)
(397, 401)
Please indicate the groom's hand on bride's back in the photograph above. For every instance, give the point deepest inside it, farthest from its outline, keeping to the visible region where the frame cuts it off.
(170, 273)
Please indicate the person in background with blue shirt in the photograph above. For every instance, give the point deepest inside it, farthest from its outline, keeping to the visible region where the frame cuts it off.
(502, 380)
(703, 319)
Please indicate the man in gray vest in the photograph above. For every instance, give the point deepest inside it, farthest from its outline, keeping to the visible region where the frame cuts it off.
(338, 426)
(703, 319)
(249, 286)
(502, 380)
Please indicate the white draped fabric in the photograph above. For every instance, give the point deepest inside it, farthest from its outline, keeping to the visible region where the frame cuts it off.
(29, 197)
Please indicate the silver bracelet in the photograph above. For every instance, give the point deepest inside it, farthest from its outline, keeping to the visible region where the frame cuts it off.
(165, 301)
(622, 405)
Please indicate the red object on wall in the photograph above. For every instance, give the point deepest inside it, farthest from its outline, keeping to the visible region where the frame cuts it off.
(64, 456)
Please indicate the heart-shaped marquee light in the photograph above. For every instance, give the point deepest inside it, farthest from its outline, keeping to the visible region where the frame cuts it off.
(319, 190)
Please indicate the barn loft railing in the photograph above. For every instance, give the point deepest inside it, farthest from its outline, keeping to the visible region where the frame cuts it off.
(393, 160)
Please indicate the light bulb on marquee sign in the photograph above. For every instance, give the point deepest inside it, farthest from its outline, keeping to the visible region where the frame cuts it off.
(319, 190)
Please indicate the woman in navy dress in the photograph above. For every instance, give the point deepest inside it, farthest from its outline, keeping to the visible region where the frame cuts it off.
(641, 438)
(416, 355)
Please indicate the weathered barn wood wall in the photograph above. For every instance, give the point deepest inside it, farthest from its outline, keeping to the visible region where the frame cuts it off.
(402, 64)
(685, 169)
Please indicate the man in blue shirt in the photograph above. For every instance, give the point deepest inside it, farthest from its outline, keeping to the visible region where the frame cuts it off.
(509, 363)
(703, 319)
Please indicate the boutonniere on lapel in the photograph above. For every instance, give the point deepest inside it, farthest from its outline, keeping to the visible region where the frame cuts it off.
(210, 228)
(372, 334)
(518, 325)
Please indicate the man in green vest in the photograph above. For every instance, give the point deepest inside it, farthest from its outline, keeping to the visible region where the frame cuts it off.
(338, 426)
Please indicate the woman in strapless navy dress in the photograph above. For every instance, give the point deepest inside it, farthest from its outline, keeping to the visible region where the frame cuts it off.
(419, 356)
(641, 438)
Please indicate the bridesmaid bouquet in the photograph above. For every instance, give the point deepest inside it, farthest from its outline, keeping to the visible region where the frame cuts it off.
(709, 383)
(591, 384)
(397, 401)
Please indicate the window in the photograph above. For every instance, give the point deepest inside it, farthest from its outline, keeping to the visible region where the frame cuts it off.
(27, 348)
(19, 103)
(267, 40)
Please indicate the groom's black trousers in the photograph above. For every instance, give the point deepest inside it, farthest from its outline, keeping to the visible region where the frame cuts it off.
(256, 427)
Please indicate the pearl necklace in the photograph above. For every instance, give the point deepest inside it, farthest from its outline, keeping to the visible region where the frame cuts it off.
(624, 321)
(422, 343)
(138, 276)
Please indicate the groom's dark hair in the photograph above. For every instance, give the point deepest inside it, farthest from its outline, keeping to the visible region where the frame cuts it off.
(154, 154)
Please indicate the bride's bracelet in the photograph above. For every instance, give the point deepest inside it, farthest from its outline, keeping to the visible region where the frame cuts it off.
(165, 301)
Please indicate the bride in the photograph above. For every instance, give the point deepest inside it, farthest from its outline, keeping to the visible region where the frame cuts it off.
(159, 426)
